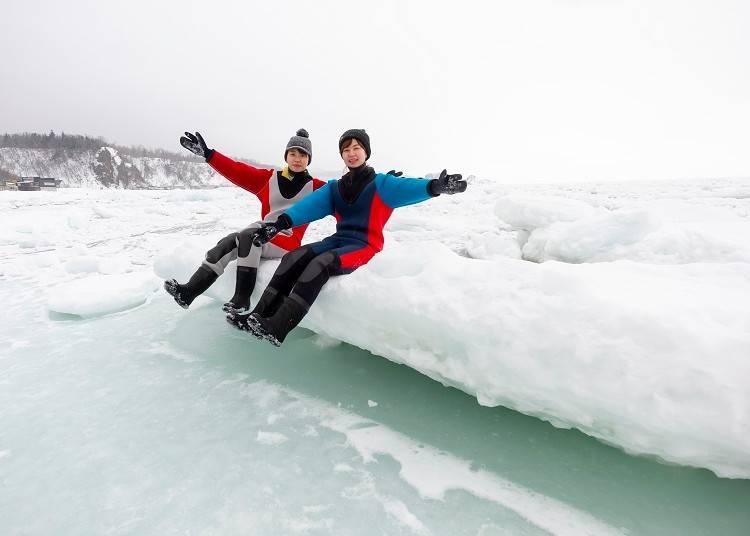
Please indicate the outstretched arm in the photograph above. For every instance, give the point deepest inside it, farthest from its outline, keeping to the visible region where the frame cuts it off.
(315, 206)
(401, 191)
(239, 173)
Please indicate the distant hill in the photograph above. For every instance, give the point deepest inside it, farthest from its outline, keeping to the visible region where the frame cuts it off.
(83, 161)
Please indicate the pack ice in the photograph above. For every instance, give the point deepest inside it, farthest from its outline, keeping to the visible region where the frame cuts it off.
(621, 310)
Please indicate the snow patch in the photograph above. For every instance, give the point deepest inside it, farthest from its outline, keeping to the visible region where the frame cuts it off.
(401, 513)
(93, 264)
(270, 438)
(418, 463)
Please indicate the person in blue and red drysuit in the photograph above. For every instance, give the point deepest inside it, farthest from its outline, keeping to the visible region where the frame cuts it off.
(361, 201)
(277, 191)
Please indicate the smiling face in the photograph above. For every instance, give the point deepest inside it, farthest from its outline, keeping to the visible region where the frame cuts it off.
(297, 160)
(353, 154)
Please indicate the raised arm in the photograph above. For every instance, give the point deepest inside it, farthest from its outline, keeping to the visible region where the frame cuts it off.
(243, 175)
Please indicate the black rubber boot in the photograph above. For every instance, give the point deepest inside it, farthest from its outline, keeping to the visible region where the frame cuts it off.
(184, 295)
(266, 306)
(268, 303)
(243, 288)
(275, 328)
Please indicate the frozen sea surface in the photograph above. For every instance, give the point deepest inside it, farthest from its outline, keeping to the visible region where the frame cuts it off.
(121, 413)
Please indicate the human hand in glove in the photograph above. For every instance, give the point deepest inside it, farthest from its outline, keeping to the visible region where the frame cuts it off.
(447, 184)
(196, 145)
(395, 173)
(267, 231)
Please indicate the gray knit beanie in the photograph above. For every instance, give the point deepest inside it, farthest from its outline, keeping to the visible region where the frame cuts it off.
(302, 142)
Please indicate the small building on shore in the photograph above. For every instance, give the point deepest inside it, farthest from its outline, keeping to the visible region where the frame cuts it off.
(34, 184)
(9, 183)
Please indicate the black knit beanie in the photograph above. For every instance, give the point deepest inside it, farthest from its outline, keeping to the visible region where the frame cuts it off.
(302, 142)
(358, 134)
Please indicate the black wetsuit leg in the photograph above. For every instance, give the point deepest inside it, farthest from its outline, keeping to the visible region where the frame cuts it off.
(291, 267)
(316, 274)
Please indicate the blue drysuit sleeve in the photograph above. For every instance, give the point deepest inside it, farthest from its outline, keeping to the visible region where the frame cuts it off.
(315, 206)
(401, 191)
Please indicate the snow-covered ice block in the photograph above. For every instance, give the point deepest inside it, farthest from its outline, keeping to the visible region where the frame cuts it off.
(651, 358)
(532, 212)
(186, 257)
(660, 233)
(491, 245)
(99, 294)
(591, 237)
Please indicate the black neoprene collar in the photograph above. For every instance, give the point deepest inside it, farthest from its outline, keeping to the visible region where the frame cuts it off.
(291, 187)
(353, 182)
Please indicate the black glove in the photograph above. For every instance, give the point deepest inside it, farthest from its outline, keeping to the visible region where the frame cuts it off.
(447, 184)
(195, 144)
(267, 231)
(395, 173)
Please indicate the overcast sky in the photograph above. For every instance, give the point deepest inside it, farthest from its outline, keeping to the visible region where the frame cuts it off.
(518, 90)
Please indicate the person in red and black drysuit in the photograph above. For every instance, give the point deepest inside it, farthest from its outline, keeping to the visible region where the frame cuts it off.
(361, 201)
(277, 191)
